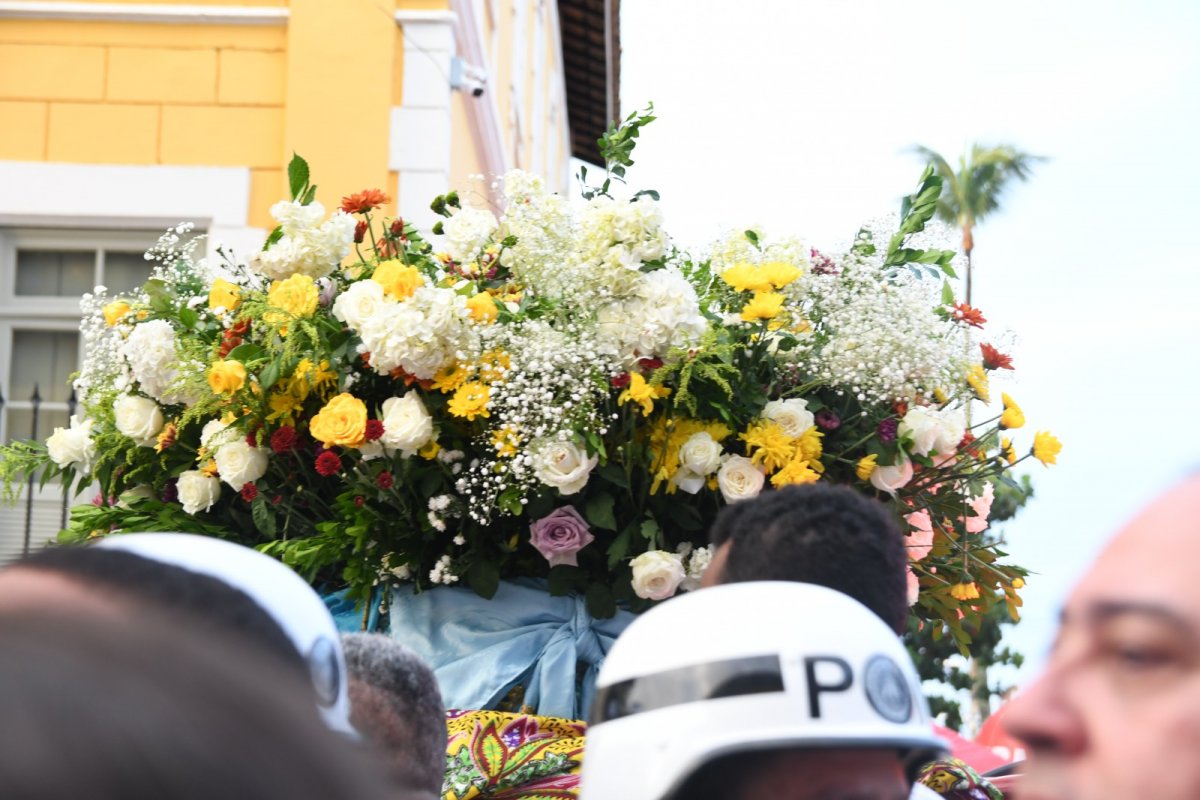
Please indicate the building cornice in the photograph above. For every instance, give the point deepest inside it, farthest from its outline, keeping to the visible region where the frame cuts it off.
(144, 13)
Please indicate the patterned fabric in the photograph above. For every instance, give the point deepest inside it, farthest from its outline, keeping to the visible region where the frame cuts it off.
(502, 755)
(955, 780)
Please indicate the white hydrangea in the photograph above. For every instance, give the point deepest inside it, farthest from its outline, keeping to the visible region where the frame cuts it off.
(468, 232)
(420, 334)
(308, 245)
(150, 353)
(541, 222)
(662, 313)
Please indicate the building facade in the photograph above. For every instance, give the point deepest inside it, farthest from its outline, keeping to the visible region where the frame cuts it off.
(119, 119)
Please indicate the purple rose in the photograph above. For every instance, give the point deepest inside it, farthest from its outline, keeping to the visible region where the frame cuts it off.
(560, 535)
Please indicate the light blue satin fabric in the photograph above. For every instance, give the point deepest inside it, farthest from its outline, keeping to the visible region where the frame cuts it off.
(479, 649)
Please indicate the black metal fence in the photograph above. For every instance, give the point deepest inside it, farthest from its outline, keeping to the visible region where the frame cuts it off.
(35, 407)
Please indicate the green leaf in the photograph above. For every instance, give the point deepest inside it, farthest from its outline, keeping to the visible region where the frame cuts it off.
(947, 294)
(297, 176)
(264, 520)
(269, 375)
(650, 530)
(620, 546)
(188, 317)
(562, 579)
(599, 512)
(510, 501)
(600, 601)
(275, 236)
(753, 237)
(246, 352)
(309, 196)
(484, 577)
(613, 473)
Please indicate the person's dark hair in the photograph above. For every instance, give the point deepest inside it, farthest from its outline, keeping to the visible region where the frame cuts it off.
(818, 533)
(396, 705)
(111, 709)
(167, 589)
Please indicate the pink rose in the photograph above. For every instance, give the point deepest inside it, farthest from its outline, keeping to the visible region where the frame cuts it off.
(982, 506)
(919, 540)
(560, 535)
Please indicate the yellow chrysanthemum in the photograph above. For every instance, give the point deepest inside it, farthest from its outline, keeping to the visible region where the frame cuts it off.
(429, 451)
(1013, 417)
(283, 405)
(483, 308)
(964, 591)
(343, 421)
(397, 279)
(866, 467)
(166, 437)
(794, 473)
(977, 379)
(779, 273)
(494, 366)
(470, 401)
(209, 468)
(642, 393)
(1046, 448)
(667, 438)
(1007, 451)
(809, 448)
(506, 440)
(768, 445)
(447, 379)
(763, 306)
(114, 311)
(940, 395)
(223, 294)
(746, 278)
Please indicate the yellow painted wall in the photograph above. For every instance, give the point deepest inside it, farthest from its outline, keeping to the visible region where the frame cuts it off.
(322, 84)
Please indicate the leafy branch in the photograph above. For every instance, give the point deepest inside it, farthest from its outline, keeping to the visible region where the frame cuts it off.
(616, 148)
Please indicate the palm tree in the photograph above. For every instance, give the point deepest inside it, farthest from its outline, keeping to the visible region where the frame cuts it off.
(973, 192)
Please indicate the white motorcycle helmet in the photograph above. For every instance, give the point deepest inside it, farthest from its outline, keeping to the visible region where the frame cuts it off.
(749, 667)
(284, 595)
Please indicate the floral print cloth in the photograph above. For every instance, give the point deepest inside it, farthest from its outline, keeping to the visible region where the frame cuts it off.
(504, 755)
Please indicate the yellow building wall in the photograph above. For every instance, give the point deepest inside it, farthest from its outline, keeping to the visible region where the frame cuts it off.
(321, 84)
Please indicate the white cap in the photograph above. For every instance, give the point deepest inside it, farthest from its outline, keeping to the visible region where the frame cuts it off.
(749, 667)
(284, 595)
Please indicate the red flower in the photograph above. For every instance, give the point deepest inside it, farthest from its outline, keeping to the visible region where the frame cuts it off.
(649, 363)
(359, 500)
(373, 431)
(283, 439)
(968, 314)
(398, 226)
(620, 381)
(249, 492)
(994, 359)
(384, 481)
(360, 231)
(364, 201)
(328, 463)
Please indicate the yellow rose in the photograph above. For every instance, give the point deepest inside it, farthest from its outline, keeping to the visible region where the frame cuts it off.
(297, 295)
(224, 294)
(114, 311)
(483, 308)
(343, 421)
(226, 377)
(397, 280)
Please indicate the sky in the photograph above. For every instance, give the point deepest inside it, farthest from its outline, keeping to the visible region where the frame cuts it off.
(797, 114)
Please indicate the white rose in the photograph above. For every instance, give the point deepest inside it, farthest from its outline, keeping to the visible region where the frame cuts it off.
(407, 426)
(697, 565)
(889, 479)
(792, 416)
(139, 418)
(197, 491)
(700, 454)
(239, 463)
(73, 446)
(932, 431)
(657, 574)
(739, 479)
(214, 434)
(359, 303)
(564, 465)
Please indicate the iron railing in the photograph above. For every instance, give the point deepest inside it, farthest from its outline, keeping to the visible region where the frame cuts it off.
(35, 406)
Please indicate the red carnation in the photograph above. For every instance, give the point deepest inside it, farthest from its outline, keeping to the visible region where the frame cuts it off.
(360, 231)
(968, 314)
(620, 381)
(328, 463)
(283, 440)
(649, 363)
(373, 430)
(364, 201)
(994, 359)
(359, 500)
(249, 492)
(384, 481)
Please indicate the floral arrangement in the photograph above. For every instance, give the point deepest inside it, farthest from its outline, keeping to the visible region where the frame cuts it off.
(551, 391)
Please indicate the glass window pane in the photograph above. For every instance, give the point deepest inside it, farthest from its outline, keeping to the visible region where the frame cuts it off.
(20, 423)
(55, 273)
(44, 358)
(124, 272)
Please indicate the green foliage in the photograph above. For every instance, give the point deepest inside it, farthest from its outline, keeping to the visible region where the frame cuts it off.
(616, 148)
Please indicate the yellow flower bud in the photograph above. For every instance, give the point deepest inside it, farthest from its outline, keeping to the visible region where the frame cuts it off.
(114, 311)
